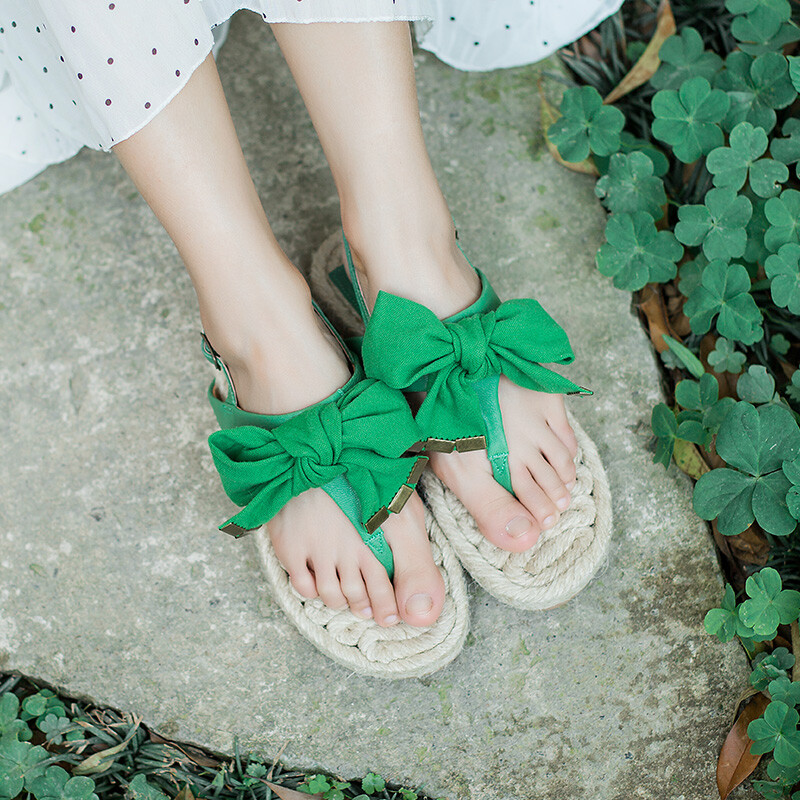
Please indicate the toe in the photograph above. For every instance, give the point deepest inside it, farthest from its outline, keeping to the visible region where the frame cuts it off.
(501, 518)
(328, 585)
(418, 584)
(303, 581)
(380, 591)
(533, 496)
(560, 426)
(549, 481)
(354, 589)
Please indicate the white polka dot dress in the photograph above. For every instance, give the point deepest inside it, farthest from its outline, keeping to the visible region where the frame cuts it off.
(77, 73)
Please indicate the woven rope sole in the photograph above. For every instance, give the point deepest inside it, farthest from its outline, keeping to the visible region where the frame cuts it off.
(400, 651)
(564, 559)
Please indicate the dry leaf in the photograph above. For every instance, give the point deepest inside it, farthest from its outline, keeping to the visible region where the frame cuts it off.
(648, 62)
(549, 115)
(689, 458)
(651, 304)
(736, 761)
(101, 761)
(185, 793)
(750, 546)
(290, 794)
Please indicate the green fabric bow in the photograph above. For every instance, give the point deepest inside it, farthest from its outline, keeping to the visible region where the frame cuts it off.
(508, 340)
(360, 435)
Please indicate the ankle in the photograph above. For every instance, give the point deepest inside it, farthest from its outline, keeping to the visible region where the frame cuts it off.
(422, 263)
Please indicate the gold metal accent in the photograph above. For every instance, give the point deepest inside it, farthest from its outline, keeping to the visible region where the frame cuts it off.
(237, 531)
(399, 500)
(469, 443)
(419, 468)
(439, 445)
(376, 520)
(417, 447)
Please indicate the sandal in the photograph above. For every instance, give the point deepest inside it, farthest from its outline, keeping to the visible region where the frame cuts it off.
(458, 362)
(358, 445)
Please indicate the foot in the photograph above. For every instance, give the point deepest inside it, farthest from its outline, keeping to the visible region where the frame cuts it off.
(328, 560)
(542, 445)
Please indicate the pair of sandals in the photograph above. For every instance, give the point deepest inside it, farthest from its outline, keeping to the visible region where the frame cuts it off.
(366, 450)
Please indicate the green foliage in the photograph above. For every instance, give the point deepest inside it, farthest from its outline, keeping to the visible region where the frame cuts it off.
(688, 119)
(755, 87)
(768, 667)
(724, 293)
(635, 253)
(718, 225)
(726, 358)
(630, 185)
(730, 165)
(784, 690)
(757, 386)
(586, 125)
(769, 604)
(683, 57)
(56, 784)
(783, 215)
(783, 270)
(777, 730)
(755, 442)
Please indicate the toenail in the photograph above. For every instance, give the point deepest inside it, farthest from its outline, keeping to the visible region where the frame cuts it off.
(518, 526)
(563, 503)
(571, 485)
(392, 619)
(549, 522)
(419, 604)
(365, 612)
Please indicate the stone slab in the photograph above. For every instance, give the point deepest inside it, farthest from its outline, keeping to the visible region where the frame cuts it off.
(116, 586)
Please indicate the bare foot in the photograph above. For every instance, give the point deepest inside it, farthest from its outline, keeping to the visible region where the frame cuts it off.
(325, 557)
(541, 442)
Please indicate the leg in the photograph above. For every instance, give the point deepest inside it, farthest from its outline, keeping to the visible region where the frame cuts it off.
(358, 83)
(256, 310)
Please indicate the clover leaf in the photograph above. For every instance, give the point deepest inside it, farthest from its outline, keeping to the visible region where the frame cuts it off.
(718, 225)
(777, 730)
(721, 622)
(786, 775)
(704, 406)
(757, 386)
(794, 71)
(687, 119)
(20, 763)
(54, 727)
(764, 29)
(682, 57)
(12, 728)
(793, 388)
(755, 443)
(769, 605)
(725, 291)
(730, 165)
(56, 784)
(784, 690)
(665, 427)
(628, 143)
(779, 344)
(635, 253)
(586, 124)
(755, 251)
(783, 270)
(791, 469)
(691, 275)
(630, 185)
(783, 214)
(788, 150)
(768, 667)
(372, 783)
(725, 357)
(745, 6)
(141, 789)
(755, 87)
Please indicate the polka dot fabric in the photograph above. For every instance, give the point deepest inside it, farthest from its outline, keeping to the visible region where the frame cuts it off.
(93, 72)
(490, 34)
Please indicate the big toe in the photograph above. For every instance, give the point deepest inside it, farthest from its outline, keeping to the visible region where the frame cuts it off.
(418, 584)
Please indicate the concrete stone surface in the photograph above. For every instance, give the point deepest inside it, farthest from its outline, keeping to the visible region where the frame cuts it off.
(116, 586)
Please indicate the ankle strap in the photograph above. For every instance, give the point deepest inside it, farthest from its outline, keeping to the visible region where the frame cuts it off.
(214, 358)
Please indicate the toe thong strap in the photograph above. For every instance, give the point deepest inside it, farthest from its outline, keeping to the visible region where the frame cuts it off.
(353, 448)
